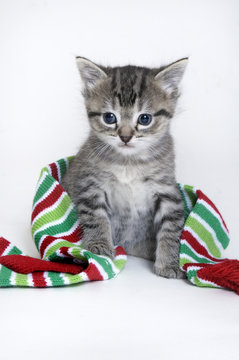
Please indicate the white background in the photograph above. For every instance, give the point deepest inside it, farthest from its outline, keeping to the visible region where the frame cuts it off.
(42, 119)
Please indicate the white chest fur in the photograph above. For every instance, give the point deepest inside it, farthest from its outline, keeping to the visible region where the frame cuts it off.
(132, 203)
(128, 190)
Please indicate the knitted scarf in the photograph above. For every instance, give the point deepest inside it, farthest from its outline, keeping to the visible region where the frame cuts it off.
(57, 233)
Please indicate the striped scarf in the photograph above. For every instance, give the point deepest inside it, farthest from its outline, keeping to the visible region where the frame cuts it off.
(57, 233)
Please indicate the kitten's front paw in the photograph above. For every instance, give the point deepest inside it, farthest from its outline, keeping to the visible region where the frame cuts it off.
(169, 272)
(100, 249)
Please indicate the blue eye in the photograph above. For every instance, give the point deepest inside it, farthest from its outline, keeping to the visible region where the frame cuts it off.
(109, 118)
(144, 119)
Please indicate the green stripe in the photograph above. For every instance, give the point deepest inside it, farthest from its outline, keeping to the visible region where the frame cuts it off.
(215, 224)
(62, 166)
(73, 279)
(70, 158)
(191, 273)
(186, 208)
(183, 260)
(55, 278)
(120, 263)
(43, 188)
(22, 280)
(45, 169)
(14, 251)
(102, 261)
(53, 215)
(184, 249)
(55, 247)
(5, 275)
(76, 251)
(204, 234)
(201, 284)
(54, 230)
(192, 196)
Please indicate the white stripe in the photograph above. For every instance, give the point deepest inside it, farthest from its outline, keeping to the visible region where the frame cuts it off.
(41, 241)
(64, 278)
(186, 256)
(58, 170)
(192, 279)
(210, 208)
(209, 229)
(53, 243)
(50, 208)
(114, 268)
(66, 162)
(201, 242)
(47, 278)
(49, 169)
(209, 282)
(100, 268)
(30, 280)
(13, 278)
(58, 253)
(184, 241)
(70, 231)
(121, 257)
(73, 228)
(56, 222)
(187, 198)
(8, 249)
(84, 276)
(70, 251)
(47, 193)
(194, 267)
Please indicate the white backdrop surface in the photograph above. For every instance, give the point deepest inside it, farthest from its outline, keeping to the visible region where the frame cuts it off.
(42, 118)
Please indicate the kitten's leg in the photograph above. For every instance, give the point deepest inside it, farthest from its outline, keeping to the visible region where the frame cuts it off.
(94, 219)
(168, 221)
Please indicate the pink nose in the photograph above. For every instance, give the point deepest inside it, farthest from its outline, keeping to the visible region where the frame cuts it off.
(126, 139)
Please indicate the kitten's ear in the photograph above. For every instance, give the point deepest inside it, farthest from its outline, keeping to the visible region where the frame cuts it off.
(170, 77)
(90, 72)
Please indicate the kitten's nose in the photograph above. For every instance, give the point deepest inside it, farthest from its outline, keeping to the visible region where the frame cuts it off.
(126, 139)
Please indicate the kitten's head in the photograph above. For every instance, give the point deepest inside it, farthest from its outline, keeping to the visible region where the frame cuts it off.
(129, 107)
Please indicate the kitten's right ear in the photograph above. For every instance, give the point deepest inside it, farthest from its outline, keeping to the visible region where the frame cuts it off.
(90, 72)
(170, 77)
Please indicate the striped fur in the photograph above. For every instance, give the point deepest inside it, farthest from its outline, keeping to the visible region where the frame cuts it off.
(126, 194)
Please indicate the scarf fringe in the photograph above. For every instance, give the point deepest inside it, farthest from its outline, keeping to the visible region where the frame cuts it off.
(224, 274)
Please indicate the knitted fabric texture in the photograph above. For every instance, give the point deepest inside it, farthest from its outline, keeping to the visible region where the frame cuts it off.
(57, 233)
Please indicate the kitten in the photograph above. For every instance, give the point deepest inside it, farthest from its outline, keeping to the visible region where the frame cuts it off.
(123, 178)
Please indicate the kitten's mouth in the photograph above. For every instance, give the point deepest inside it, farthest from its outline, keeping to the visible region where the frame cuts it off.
(126, 146)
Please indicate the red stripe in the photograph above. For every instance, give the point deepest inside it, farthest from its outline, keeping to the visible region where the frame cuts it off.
(3, 244)
(225, 274)
(27, 264)
(48, 201)
(64, 250)
(191, 240)
(47, 241)
(54, 171)
(199, 265)
(119, 251)
(93, 273)
(38, 279)
(73, 238)
(202, 196)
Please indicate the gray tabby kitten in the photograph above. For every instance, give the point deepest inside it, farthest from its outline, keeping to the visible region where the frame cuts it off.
(123, 178)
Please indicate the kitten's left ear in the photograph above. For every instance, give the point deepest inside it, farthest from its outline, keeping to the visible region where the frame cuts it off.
(170, 77)
(89, 71)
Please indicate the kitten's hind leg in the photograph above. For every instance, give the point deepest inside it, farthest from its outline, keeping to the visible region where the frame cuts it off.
(169, 221)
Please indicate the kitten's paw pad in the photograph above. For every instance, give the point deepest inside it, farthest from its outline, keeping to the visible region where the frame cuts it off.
(101, 249)
(169, 272)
